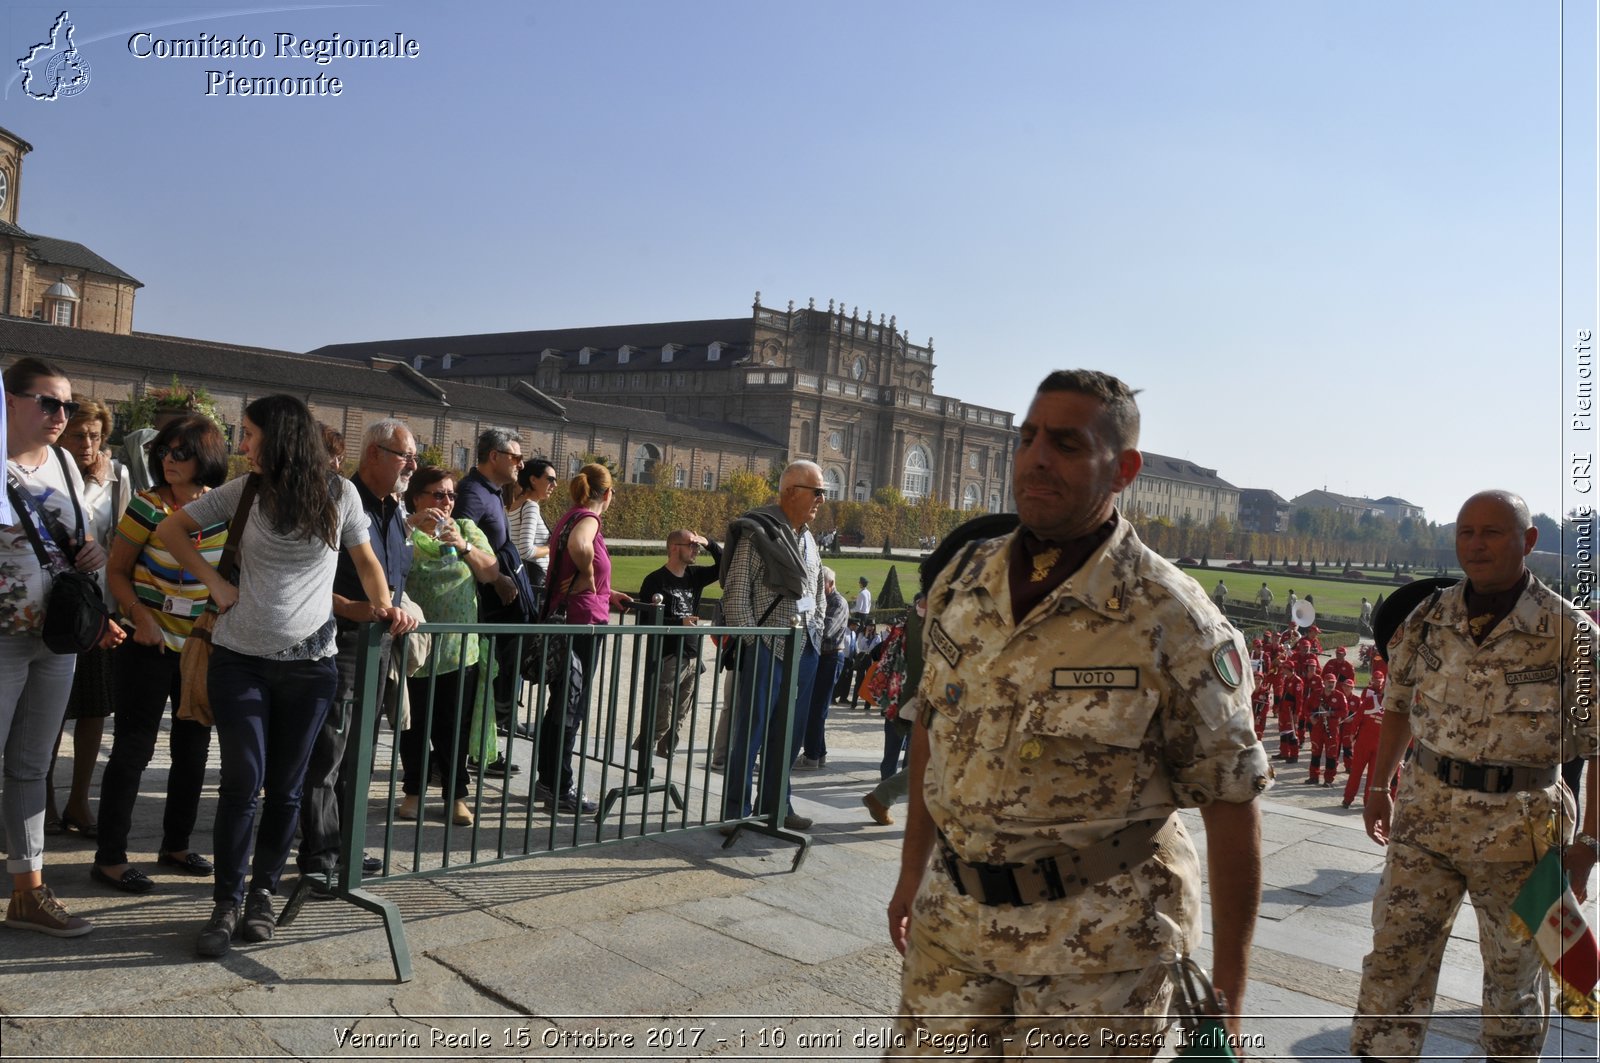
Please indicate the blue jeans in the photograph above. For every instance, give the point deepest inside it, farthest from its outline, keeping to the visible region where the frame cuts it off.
(760, 686)
(816, 714)
(268, 714)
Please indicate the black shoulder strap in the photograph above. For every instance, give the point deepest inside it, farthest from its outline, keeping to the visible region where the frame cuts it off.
(555, 561)
(228, 564)
(27, 514)
(960, 567)
(77, 510)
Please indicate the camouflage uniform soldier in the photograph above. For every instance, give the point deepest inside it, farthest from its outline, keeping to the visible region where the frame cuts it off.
(1483, 679)
(1078, 689)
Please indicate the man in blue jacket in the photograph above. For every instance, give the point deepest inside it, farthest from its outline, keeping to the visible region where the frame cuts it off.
(506, 600)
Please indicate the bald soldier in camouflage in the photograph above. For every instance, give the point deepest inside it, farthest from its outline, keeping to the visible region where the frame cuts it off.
(1077, 690)
(1484, 677)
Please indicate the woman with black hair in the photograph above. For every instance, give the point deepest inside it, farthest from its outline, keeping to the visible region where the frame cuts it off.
(272, 674)
(536, 481)
(187, 458)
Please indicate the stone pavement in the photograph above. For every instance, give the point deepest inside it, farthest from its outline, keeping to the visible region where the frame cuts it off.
(689, 950)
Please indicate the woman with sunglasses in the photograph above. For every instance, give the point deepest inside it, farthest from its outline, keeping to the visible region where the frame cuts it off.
(272, 674)
(106, 491)
(187, 458)
(34, 682)
(536, 481)
(580, 580)
(451, 559)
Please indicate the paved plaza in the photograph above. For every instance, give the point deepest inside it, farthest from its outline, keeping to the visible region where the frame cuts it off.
(659, 948)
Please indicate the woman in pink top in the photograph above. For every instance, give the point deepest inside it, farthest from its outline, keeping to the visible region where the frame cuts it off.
(580, 582)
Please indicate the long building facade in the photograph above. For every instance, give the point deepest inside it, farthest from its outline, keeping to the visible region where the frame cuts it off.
(854, 395)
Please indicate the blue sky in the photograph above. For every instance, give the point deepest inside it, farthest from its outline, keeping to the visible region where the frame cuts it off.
(1324, 238)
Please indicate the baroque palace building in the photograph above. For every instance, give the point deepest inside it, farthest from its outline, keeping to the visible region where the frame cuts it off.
(48, 279)
(854, 395)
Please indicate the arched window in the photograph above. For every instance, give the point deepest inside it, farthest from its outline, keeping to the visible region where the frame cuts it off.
(863, 491)
(833, 483)
(642, 469)
(971, 497)
(994, 501)
(808, 438)
(918, 480)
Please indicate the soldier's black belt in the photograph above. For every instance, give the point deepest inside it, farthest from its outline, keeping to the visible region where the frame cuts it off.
(1484, 778)
(1052, 878)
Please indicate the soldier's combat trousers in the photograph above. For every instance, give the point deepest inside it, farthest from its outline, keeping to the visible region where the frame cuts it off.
(953, 1011)
(1412, 913)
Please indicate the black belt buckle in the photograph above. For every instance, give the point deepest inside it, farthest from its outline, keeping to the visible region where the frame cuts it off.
(952, 864)
(998, 884)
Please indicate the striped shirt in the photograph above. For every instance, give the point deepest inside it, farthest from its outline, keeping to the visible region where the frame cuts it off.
(157, 577)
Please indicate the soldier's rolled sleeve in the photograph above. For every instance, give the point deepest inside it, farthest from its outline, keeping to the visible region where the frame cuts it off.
(1211, 748)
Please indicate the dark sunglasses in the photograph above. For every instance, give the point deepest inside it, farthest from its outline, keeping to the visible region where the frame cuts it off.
(817, 491)
(405, 457)
(51, 405)
(553, 479)
(176, 453)
(442, 494)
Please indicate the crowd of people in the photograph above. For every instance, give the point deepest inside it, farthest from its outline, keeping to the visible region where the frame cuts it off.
(1315, 705)
(285, 564)
(1057, 693)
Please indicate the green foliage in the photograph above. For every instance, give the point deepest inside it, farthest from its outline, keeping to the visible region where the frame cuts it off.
(889, 495)
(176, 398)
(748, 489)
(430, 455)
(601, 459)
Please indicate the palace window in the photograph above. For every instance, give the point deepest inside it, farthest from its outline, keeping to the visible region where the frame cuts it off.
(918, 479)
(833, 483)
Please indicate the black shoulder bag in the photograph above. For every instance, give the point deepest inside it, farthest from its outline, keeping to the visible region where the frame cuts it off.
(75, 613)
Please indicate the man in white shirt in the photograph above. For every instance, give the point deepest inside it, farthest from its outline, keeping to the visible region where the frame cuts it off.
(862, 606)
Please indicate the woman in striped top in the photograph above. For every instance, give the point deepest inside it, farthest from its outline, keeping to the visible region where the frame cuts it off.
(188, 457)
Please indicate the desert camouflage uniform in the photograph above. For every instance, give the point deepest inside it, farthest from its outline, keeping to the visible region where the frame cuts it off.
(1104, 707)
(1498, 703)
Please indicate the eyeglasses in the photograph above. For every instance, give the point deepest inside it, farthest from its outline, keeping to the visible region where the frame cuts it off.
(50, 405)
(817, 491)
(442, 494)
(553, 479)
(176, 453)
(516, 459)
(406, 457)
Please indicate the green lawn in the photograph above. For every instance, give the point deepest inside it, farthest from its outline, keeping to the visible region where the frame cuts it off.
(628, 573)
(1342, 598)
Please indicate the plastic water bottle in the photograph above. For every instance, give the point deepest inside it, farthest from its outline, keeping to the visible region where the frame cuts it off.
(447, 553)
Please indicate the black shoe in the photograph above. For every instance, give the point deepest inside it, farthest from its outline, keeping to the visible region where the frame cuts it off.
(570, 802)
(217, 935)
(527, 731)
(500, 769)
(259, 919)
(132, 880)
(193, 864)
(371, 865)
(317, 887)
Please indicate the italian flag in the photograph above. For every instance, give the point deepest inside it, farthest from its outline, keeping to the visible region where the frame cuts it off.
(1555, 921)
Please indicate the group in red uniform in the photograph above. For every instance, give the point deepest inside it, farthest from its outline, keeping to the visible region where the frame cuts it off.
(1317, 704)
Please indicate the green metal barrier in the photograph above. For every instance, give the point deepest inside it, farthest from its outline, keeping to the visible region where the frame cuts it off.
(640, 796)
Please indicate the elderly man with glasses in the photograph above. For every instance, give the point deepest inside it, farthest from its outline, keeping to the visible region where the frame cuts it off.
(774, 576)
(509, 599)
(388, 458)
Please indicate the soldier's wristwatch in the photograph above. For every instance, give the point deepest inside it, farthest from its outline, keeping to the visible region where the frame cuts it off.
(1588, 840)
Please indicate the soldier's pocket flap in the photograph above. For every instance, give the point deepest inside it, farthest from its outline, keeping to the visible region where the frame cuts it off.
(1116, 718)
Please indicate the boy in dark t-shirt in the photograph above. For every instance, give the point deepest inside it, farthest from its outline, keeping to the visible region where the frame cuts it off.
(673, 661)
